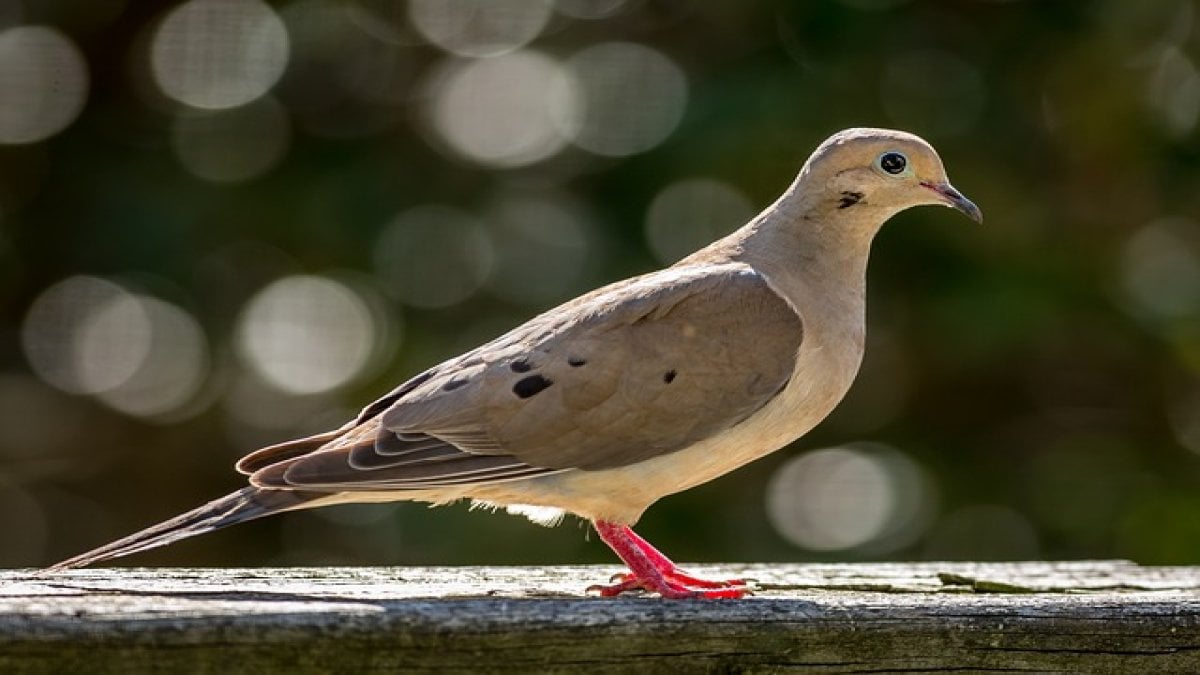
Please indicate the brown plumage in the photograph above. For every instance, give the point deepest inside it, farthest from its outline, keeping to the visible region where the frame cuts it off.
(631, 392)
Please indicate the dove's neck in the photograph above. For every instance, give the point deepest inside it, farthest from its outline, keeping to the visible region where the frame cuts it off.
(812, 252)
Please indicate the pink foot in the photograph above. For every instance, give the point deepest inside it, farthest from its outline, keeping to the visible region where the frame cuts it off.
(653, 572)
(670, 570)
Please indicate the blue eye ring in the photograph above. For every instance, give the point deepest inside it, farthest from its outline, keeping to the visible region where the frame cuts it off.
(892, 162)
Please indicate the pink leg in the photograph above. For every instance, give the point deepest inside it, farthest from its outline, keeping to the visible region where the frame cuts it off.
(652, 571)
(672, 571)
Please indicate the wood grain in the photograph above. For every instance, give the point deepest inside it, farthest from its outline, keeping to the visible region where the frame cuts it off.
(1096, 617)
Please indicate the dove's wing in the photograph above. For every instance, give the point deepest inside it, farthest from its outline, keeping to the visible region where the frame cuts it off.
(632, 371)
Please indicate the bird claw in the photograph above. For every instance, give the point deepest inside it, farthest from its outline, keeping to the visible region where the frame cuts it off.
(653, 572)
(626, 583)
(674, 586)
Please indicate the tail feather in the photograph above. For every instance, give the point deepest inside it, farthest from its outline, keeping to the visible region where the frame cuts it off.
(245, 504)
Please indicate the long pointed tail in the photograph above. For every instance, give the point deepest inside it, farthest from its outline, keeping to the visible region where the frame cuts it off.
(245, 504)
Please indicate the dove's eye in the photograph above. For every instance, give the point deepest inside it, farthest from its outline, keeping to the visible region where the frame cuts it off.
(892, 162)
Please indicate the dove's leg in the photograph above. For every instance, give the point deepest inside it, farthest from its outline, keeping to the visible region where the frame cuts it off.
(654, 572)
(672, 571)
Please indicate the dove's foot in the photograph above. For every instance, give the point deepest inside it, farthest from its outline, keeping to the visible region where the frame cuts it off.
(670, 588)
(653, 572)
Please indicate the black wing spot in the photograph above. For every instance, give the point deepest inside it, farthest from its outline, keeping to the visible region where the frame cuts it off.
(669, 376)
(849, 198)
(526, 387)
(520, 366)
(454, 384)
(575, 361)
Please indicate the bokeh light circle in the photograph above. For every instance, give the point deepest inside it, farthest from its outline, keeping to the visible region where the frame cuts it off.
(43, 83)
(690, 214)
(433, 256)
(1160, 270)
(479, 27)
(589, 9)
(306, 334)
(219, 53)
(139, 355)
(112, 343)
(983, 532)
(235, 145)
(542, 250)
(64, 329)
(1173, 93)
(174, 367)
(632, 98)
(869, 498)
(498, 112)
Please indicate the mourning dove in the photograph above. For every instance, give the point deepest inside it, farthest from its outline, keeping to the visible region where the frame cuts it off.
(634, 391)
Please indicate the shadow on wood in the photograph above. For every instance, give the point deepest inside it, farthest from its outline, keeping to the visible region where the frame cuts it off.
(1094, 617)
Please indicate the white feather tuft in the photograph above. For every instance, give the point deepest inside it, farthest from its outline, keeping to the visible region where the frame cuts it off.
(542, 515)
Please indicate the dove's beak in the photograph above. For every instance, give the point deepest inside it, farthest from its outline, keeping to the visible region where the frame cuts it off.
(951, 197)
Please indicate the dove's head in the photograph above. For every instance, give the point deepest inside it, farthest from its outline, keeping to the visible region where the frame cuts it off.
(880, 171)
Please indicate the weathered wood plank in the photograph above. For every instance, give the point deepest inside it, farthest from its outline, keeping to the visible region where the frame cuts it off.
(1098, 617)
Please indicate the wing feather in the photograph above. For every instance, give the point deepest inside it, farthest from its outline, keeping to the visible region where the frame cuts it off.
(629, 372)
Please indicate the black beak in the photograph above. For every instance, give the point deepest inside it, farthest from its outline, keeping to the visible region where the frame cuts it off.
(955, 200)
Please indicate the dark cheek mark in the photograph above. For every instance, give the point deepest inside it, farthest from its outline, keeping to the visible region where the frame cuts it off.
(849, 199)
(575, 362)
(669, 376)
(453, 384)
(520, 366)
(526, 387)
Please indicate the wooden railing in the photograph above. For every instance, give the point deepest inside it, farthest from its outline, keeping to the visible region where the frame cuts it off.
(1091, 617)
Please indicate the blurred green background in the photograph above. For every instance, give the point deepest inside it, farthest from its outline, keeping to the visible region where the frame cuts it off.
(225, 223)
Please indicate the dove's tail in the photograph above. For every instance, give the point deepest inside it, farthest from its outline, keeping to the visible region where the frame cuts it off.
(245, 504)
